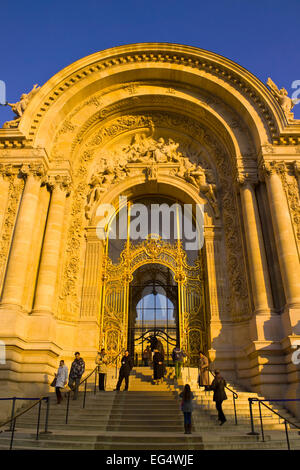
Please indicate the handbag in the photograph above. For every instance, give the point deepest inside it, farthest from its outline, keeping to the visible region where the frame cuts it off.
(53, 383)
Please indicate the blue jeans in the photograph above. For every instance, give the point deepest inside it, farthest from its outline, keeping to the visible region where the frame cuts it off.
(187, 417)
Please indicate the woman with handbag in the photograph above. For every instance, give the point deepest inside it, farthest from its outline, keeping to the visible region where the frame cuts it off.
(60, 381)
(187, 408)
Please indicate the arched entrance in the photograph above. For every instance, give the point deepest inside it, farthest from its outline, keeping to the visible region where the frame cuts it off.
(153, 288)
(153, 311)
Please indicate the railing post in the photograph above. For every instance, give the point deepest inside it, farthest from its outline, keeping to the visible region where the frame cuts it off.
(12, 412)
(67, 411)
(12, 434)
(95, 385)
(251, 418)
(84, 394)
(47, 415)
(38, 422)
(234, 406)
(261, 422)
(287, 435)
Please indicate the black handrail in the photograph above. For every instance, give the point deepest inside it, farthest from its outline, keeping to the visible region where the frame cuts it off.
(234, 397)
(262, 402)
(12, 420)
(94, 371)
(234, 394)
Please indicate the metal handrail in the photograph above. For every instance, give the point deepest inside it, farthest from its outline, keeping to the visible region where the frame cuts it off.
(234, 397)
(94, 371)
(234, 394)
(14, 418)
(262, 402)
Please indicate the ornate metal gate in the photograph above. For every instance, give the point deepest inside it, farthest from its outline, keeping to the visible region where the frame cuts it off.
(193, 319)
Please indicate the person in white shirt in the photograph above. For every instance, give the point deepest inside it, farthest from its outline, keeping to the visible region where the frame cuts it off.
(61, 380)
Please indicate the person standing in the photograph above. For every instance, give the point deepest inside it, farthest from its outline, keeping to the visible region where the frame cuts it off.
(101, 361)
(203, 371)
(187, 397)
(61, 380)
(178, 357)
(76, 372)
(147, 356)
(126, 366)
(218, 386)
(158, 366)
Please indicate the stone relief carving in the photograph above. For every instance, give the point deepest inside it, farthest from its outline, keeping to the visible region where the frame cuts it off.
(237, 301)
(16, 186)
(152, 153)
(19, 107)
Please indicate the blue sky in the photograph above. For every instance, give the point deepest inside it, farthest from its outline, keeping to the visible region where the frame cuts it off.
(37, 39)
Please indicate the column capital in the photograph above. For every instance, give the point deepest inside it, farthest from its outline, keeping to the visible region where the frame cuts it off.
(59, 181)
(37, 170)
(243, 179)
(296, 165)
(269, 168)
(9, 171)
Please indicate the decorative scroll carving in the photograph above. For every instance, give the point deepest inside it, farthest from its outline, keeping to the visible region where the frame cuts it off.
(69, 297)
(16, 186)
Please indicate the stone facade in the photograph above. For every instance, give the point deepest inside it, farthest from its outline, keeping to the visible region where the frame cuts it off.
(151, 119)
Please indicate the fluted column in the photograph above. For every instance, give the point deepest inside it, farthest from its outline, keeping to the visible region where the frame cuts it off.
(284, 234)
(15, 279)
(260, 281)
(47, 277)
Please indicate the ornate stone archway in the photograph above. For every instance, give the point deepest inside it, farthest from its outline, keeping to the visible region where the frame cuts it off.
(152, 119)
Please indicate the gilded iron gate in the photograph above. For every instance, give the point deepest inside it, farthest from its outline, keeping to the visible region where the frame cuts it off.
(193, 319)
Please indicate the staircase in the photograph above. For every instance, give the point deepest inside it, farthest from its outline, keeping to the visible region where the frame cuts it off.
(148, 417)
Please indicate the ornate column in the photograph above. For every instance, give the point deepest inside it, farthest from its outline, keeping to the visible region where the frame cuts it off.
(284, 235)
(260, 281)
(15, 280)
(47, 277)
(285, 243)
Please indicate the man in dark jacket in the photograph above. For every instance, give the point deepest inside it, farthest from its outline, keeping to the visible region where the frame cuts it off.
(126, 366)
(76, 372)
(218, 386)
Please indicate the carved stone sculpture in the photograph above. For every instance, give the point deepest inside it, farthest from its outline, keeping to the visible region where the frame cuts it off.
(19, 107)
(282, 97)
